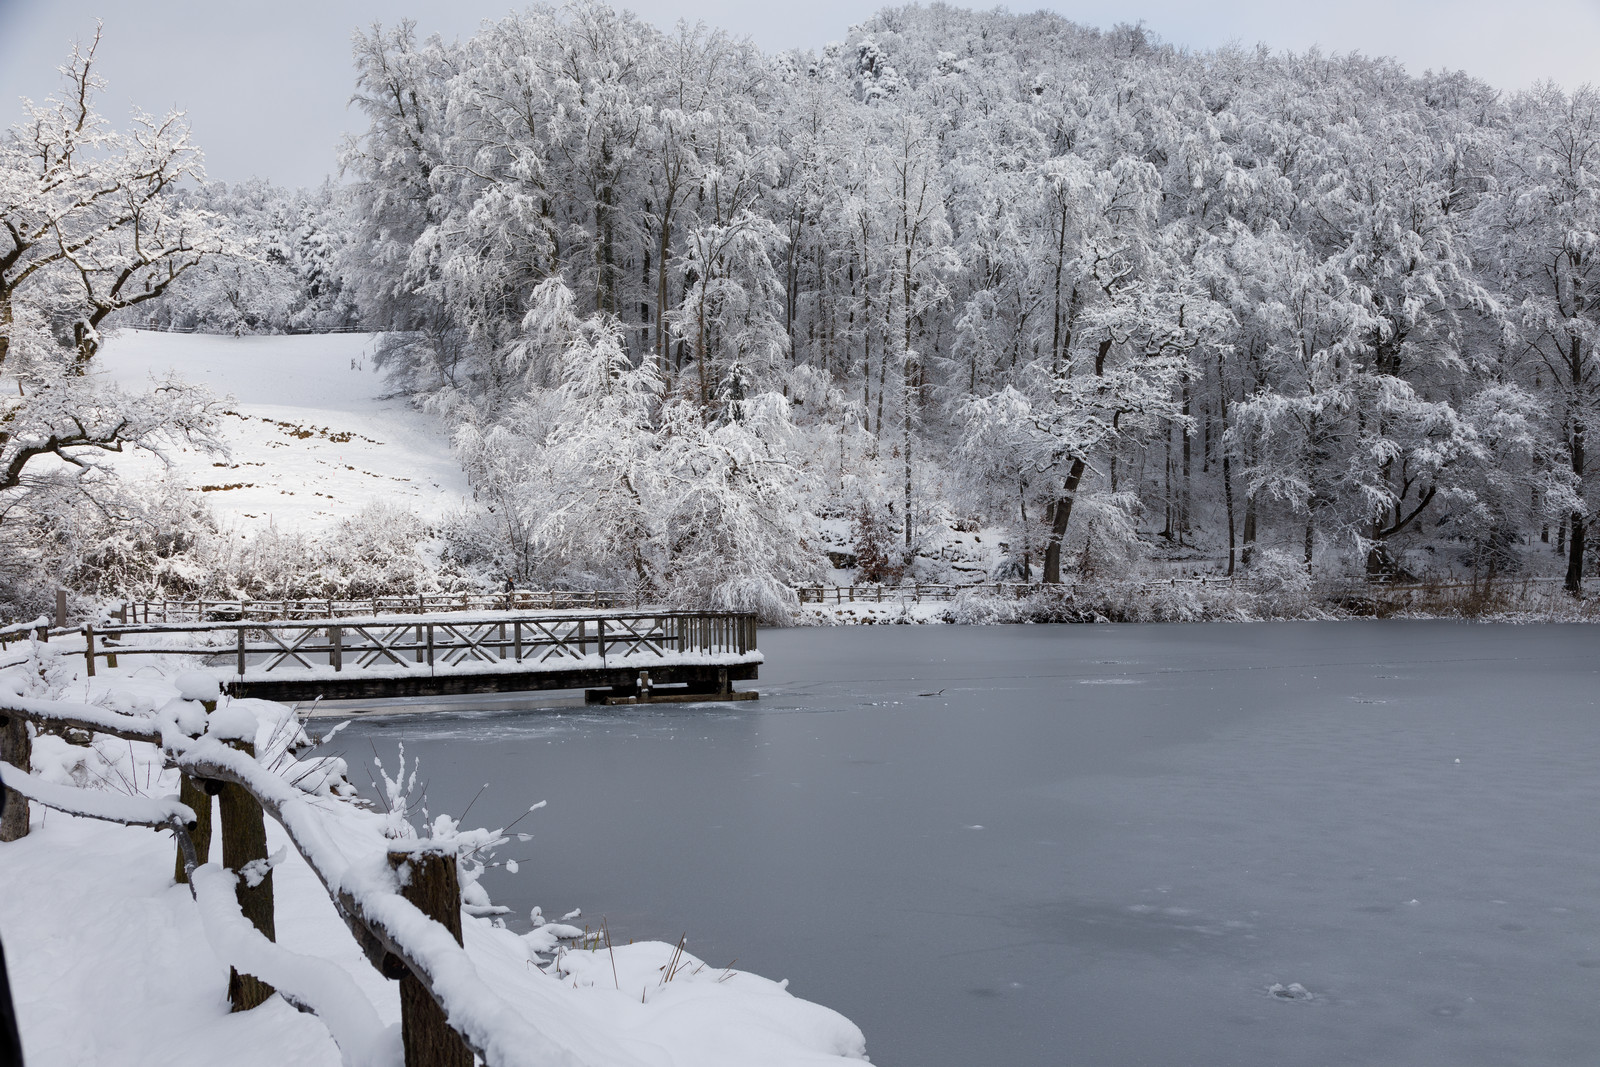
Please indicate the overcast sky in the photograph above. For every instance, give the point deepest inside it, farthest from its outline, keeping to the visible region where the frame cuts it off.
(266, 83)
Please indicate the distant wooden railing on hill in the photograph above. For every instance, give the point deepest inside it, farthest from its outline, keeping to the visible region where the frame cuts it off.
(915, 592)
(1352, 588)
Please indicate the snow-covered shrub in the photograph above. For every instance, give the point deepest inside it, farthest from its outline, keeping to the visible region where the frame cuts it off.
(1278, 577)
(878, 556)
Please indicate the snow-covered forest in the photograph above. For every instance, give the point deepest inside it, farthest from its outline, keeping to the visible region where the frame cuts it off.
(700, 317)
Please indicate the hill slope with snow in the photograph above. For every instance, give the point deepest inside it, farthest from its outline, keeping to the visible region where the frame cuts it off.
(313, 437)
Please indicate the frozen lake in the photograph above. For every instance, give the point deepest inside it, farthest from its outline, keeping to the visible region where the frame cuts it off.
(1103, 845)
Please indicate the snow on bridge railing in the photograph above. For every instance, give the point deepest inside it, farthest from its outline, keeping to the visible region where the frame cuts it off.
(400, 899)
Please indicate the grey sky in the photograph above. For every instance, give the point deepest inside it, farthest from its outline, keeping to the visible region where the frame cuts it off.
(266, 84)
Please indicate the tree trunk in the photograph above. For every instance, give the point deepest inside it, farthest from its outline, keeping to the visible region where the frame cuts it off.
(1577, 535)
(1227, 469)
(1183, 484)
(908, 374)
(5, 327)
(1248, 536)
(1060, 513)
(662, 252)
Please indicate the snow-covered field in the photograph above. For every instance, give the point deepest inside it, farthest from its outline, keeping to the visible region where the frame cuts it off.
(313, 437)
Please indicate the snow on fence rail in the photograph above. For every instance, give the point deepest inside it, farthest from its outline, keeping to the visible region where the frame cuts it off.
(401, 900)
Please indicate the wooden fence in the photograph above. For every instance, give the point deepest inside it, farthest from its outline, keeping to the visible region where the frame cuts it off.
(916, 592)
(1348, 589)
(413, 934)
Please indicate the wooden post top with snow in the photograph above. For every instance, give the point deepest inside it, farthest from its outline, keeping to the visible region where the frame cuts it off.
(616, 657)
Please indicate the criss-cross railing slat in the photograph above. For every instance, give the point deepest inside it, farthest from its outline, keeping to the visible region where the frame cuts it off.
(558, 645)
(472, 644)
(623, 632)
(287, 650)
(382, 647)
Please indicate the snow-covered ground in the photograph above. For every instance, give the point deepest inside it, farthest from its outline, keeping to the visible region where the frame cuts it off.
(313, 436)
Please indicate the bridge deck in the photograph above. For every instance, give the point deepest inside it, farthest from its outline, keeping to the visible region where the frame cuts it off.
(617, 657)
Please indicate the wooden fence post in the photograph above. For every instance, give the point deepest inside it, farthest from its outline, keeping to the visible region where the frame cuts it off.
(194, 794)
(244, 840)
(198, 797)
(61, 609)
(429, 881)
(16, 748)
(122, 617)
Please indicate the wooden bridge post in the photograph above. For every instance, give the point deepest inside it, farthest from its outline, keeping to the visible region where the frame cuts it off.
(16, 748)
(336, 648)
(429, 881)
(88, 649)
(244, 840)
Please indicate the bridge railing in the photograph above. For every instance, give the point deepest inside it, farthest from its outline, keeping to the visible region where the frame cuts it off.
(430, 643)
(147, 612)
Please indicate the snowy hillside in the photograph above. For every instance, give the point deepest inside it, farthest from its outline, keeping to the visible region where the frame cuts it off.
(313, 439)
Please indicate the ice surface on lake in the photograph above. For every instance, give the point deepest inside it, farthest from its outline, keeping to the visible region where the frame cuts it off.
(1289, 843)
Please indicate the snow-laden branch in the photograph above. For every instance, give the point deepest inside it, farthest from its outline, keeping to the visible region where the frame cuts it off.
(312, 984)
(158, 813)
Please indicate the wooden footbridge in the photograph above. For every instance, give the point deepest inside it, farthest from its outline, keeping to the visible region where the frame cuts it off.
(616, 657)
